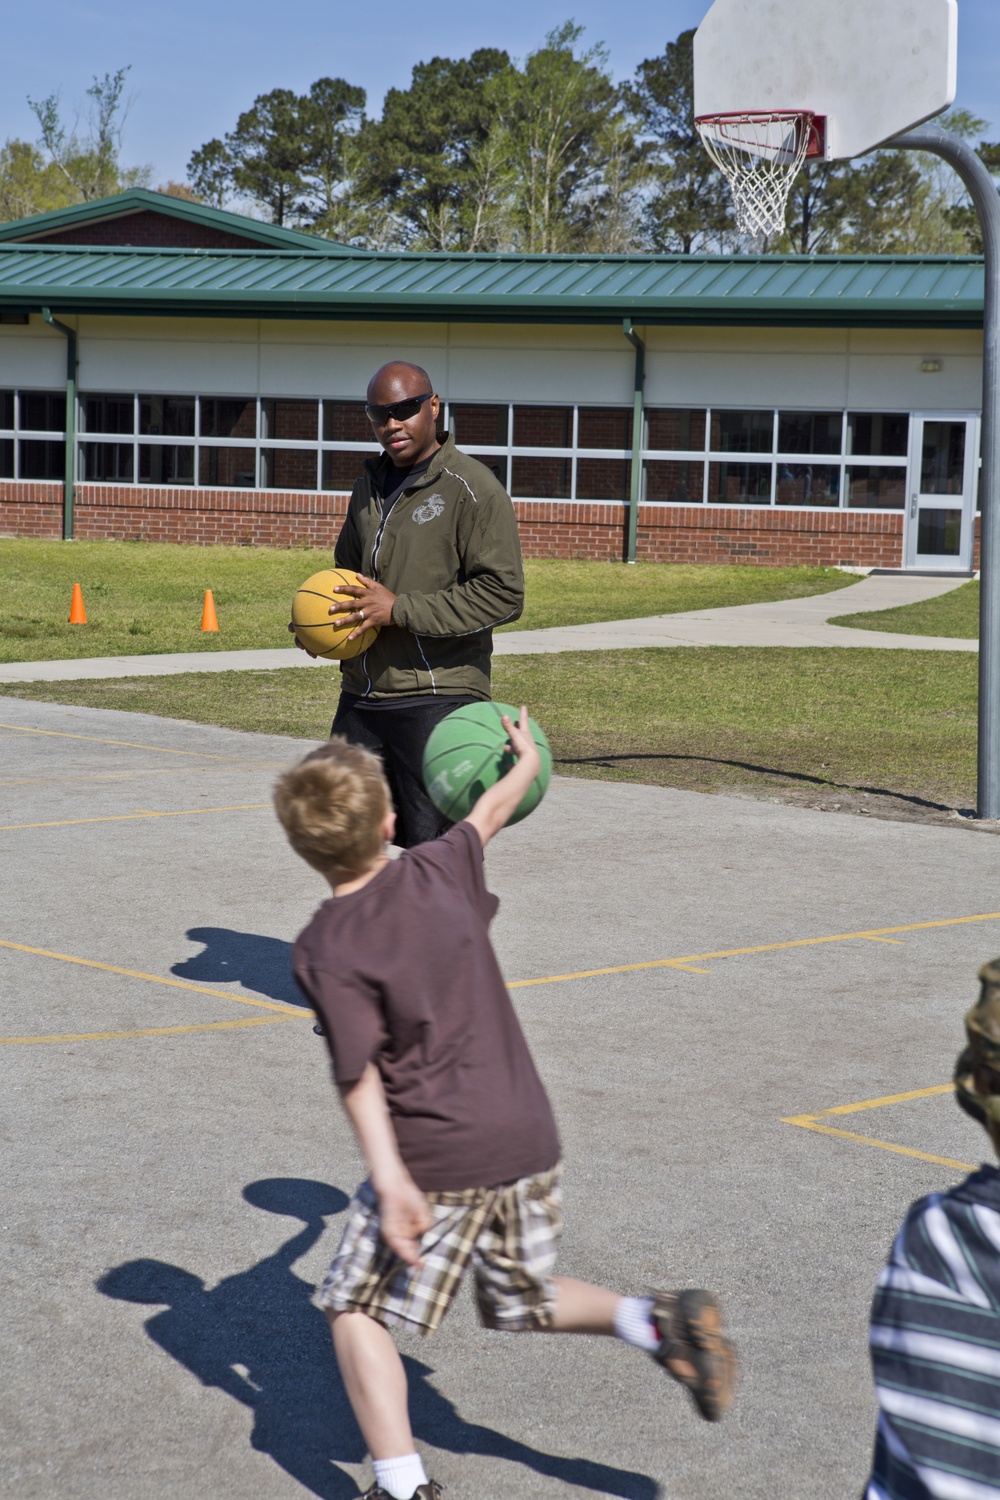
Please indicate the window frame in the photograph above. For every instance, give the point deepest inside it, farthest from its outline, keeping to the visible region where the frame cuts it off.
(709, 456)
(706, 455)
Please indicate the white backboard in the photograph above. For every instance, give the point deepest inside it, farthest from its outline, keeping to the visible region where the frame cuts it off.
(873, 68)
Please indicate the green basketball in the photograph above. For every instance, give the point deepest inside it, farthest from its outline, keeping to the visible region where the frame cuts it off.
(467, 753)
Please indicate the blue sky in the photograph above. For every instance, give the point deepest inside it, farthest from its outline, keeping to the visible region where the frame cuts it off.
(197, 63)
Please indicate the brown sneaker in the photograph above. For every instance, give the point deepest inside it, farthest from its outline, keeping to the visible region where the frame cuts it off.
(429, 1491)
(690, 1325)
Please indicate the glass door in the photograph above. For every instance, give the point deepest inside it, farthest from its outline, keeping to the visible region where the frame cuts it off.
(940, 517)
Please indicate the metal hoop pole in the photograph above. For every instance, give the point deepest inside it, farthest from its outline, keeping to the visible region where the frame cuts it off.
(983, 190)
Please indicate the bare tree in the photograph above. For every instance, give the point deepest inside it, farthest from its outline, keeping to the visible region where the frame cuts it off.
(91, 163)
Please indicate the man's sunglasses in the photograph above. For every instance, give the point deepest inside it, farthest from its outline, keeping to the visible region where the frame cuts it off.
(400, 411)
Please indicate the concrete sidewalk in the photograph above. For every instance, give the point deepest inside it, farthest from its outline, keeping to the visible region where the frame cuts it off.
(789, 622)
(785, 622)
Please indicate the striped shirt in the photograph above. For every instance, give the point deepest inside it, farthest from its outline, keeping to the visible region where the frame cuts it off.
(935, 1346)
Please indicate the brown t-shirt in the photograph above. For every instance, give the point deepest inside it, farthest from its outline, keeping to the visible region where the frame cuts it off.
(402, 973)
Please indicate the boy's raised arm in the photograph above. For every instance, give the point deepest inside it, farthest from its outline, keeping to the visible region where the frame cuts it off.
(402, 1208)
(495, 806)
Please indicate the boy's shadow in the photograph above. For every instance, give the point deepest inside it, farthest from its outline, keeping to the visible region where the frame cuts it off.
(262, 964)
(257, 1336)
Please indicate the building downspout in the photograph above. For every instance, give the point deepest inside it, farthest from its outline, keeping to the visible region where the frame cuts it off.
(69, 475)
(635, 487)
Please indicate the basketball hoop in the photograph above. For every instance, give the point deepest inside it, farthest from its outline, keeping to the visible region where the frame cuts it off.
(760, 153)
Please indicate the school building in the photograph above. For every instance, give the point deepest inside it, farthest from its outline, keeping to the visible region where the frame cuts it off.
(178, 373)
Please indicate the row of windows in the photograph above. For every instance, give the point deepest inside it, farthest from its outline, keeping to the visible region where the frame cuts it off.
(685, 429)
(863, 434)
(718, 456)
(867, 486)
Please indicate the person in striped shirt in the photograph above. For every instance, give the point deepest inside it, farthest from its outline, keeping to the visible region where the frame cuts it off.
(935, 1323)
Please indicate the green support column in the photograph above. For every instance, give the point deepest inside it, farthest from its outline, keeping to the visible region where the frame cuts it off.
(638, 419)
(69, 474)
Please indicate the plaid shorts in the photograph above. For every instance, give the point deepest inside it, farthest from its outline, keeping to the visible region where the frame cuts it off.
(510, 1233)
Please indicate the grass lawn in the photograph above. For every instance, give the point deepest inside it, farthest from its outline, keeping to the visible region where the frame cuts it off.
(146, 597)
(955, 614)
(875, 731)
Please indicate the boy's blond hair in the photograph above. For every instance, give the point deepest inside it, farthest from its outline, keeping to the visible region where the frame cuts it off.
(332, 806)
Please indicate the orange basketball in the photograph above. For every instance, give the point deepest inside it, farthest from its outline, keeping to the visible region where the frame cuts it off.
(320, 632)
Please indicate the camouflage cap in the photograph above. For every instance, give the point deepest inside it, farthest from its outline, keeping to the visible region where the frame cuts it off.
(982, 1027)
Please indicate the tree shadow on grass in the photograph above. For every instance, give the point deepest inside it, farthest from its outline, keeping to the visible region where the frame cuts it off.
(610, 761)
(258, 963)
(257, 1337)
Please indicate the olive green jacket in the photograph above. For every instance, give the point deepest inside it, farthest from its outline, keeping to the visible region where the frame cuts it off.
(449, 551)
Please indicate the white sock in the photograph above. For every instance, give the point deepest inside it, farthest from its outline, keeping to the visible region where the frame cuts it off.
(400, 1477)
(634, 1323)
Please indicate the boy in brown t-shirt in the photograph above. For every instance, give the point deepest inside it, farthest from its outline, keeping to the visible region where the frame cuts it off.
(438, 1082)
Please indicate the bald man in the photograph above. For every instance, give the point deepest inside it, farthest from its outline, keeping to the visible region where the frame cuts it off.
(433, 535)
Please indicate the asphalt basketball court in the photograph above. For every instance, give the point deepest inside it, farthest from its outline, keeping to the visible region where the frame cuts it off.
(177, 1166)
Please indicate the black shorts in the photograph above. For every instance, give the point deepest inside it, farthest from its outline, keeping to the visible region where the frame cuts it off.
(398, 736)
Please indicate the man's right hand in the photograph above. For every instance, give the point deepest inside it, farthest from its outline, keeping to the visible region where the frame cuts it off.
(298, 643)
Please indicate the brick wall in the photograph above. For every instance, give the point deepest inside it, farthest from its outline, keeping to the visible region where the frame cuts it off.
(715, 534)
(30, 508)
(149, 228)
(688, 534)
(108, 512)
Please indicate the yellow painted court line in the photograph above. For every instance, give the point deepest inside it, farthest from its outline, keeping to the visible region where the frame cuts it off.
(694, 958)
(114, 1036)
(814, 1122)
(176, 984)
(852, 1109)
(131, 775)
(184, 812)
(94, 739)
(898, 943)
(684, 963)
(870, 1140)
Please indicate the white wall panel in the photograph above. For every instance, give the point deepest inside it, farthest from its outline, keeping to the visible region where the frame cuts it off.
(803, 368)
(490, 374)
(918, 342)
(170, 330)
(333, 332)
(714, 340)
(887, 380)
(727, 379)
(796, 367)
(341, 371)
(31, 358)
(164, 365)
(581, 338)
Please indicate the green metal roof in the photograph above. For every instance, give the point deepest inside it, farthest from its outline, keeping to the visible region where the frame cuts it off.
(138, 200)
(884, 291)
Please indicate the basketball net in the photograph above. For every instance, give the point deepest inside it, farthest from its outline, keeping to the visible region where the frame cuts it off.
(760, 154)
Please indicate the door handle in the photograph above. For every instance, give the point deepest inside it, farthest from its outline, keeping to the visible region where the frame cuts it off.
(913, 508)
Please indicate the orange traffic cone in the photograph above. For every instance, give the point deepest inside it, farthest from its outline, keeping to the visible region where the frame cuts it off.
(209, 619)
(77, 613)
